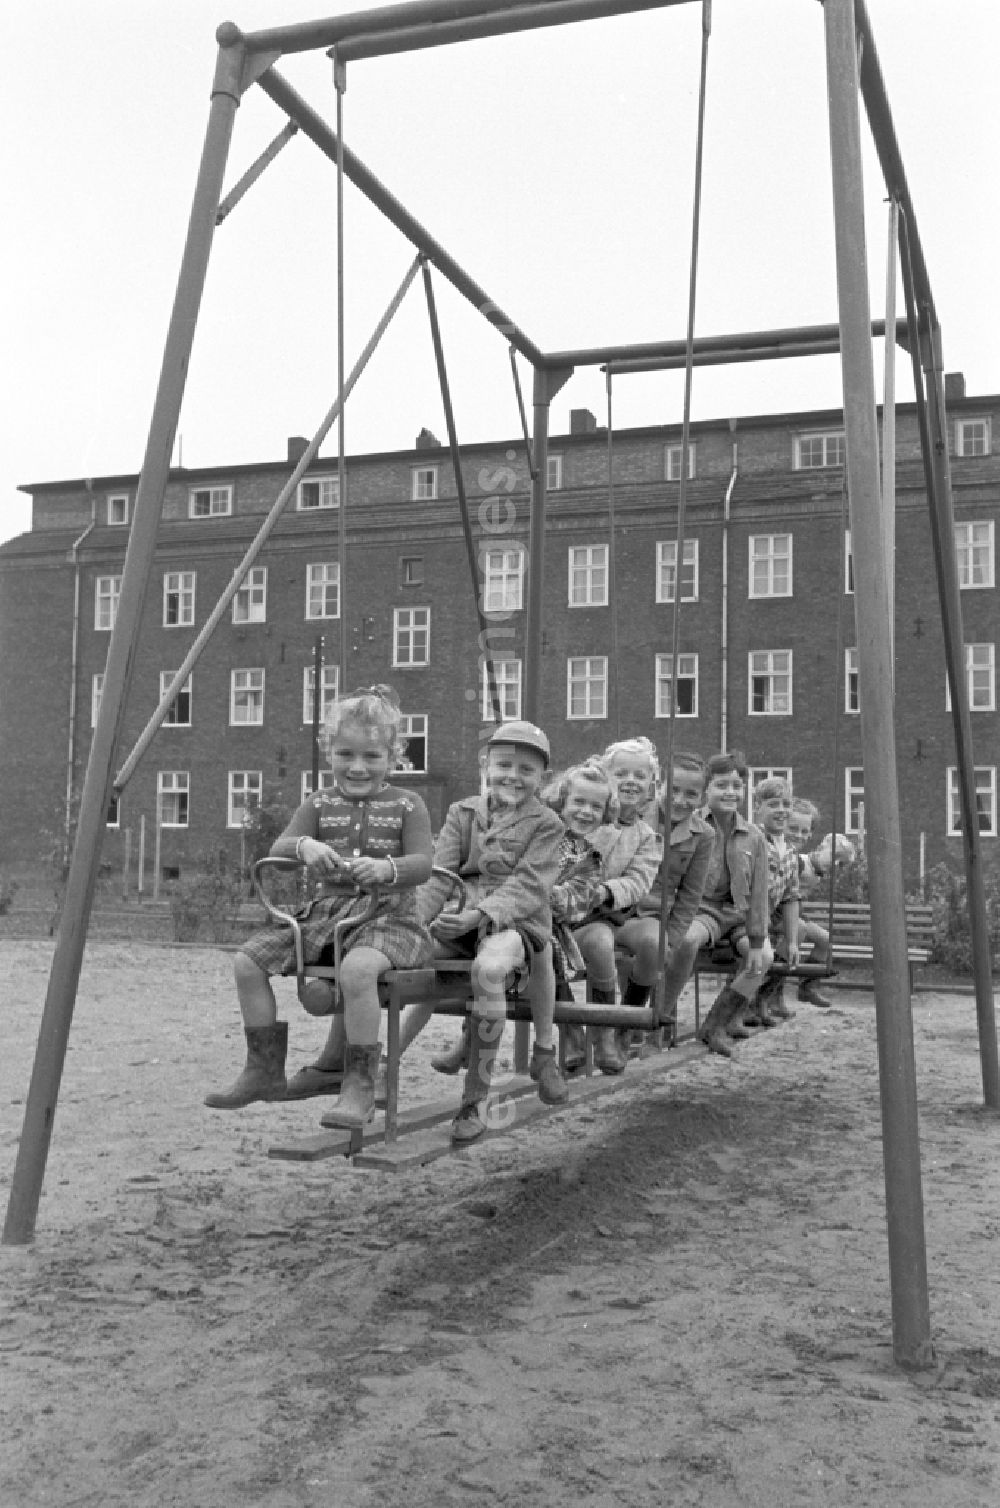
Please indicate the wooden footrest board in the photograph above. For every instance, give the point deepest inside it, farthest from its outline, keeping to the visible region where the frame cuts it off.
(425, 1131)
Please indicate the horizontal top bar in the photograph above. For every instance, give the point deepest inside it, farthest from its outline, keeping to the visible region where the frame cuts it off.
(526, 17)
(727, 347)
(330, 30)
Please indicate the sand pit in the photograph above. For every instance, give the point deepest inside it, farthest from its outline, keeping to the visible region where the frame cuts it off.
(673, 1293)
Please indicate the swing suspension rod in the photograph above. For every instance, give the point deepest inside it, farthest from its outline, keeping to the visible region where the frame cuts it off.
(706, 30)
(463, 502)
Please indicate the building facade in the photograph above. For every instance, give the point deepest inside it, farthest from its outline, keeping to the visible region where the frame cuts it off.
(766, 659)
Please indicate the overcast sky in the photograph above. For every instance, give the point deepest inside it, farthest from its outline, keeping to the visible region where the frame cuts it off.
(555, 166)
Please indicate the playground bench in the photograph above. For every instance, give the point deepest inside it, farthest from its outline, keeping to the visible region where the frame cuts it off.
(852, 930)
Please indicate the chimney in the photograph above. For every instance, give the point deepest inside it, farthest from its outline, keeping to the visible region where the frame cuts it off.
(427, 441)
(297, 447)
(581, 421)
(954, 386)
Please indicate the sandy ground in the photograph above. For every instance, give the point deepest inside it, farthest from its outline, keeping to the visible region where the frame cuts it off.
(676, 1292)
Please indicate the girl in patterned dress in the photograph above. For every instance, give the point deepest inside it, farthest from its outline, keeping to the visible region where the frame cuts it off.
(361, 833)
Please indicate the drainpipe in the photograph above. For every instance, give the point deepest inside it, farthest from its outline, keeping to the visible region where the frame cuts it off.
(724, 690)
(74, 556)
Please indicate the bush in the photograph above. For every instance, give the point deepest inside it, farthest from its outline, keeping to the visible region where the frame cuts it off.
(948, 893)
(210, 896)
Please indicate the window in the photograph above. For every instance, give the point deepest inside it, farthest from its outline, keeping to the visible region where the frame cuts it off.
(588, 576)
(771, 682)
(587, 686)
(118, 508)
(974, 548)
(323, 590)
(770, 565)
(848, 564)
(687, 685)
(210, 502)
(329, 685)
(854, 800)
(245, 789)
(326, 782)
(411, 570)
(250, 602)
(107, 590)
(413, 729)
(972, 437)
(503, 579)
(666, 570)
(672, 462)
(852, 683)
(411, 636)
(318, 492)
(980, 678)
(508, 679)
(179, 711)
(825, 448)
(178, 599)
(113, 816)
(986, 801)
(246, 698)
(757, 772)
(424, 484)
(553, 473)
(172, 795)
(96, 692)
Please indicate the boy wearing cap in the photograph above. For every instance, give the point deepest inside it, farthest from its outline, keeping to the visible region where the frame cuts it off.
(505, 846)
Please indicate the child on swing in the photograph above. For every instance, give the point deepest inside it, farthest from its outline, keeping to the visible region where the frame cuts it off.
(365, 833)
(772, 805)
(814, 871)
(505, 846)
(733, 907)
(584, 799)
(629, 858)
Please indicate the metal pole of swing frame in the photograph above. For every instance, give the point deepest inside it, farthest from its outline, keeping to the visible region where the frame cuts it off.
(340, 84)
(57, 1014)
(894, 1025)
(546, 385)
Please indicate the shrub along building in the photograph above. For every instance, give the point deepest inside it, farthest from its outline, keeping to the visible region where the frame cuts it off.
(766, 660)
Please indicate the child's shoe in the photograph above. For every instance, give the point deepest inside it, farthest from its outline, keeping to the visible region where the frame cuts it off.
(574, 1048)
(356, 1103)
(543, 1070)
(468, 1125)
(811, 995)
(608, 1056)
(713, 1031)
(263, 1077)
(454, 1059)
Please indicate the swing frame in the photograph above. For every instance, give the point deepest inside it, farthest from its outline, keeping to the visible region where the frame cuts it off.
(853, 74)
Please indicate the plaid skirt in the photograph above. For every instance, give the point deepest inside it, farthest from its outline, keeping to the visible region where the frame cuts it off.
(394, 930)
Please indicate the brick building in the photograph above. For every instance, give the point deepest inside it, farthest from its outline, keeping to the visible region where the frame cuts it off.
(766, 655)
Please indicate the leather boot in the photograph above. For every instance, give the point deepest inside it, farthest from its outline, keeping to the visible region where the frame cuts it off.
(574, 1053)
(454, 1059)
(734, 1026)
(356, 1103)
(484, 1039)
(608, 1056)
(713, 1032)
(811, 995)
(326, 1074)
(263, 1077)
(769, 999)
(776, 1002)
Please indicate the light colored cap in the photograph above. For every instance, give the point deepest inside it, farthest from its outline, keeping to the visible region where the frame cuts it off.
(525, 735)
